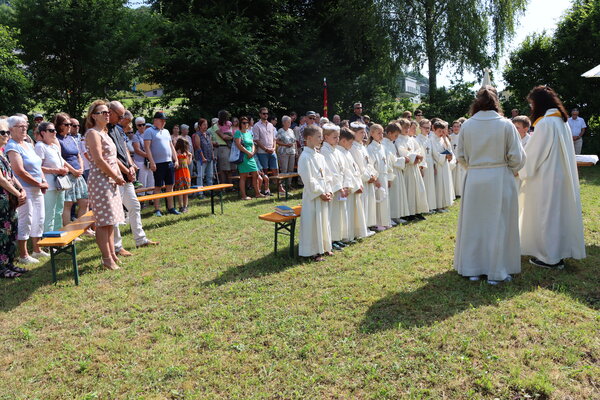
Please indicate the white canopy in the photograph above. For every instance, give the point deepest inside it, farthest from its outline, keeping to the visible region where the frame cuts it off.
(592, 73)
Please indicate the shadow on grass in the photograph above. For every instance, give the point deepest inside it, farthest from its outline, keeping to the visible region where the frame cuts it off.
(447, 294)
(270, 264)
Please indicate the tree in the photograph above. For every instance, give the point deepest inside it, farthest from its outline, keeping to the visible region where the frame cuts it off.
(467, 34)
(79, 50)
(14, 81)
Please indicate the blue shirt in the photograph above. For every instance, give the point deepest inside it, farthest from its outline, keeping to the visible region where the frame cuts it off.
(138, 138)
(160, 144)
(31, 161)
(69, 150)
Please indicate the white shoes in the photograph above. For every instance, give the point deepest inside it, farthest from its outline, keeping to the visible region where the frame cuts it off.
(28, 260)
(42, 253)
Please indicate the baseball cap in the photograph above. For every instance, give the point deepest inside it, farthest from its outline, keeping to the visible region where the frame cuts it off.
(160, 115)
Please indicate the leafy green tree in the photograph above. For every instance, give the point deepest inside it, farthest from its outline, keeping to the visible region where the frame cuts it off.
(466, 34)
(14, 81)
(79, 50)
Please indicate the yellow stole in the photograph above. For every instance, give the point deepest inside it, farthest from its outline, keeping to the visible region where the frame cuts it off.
(556, 114)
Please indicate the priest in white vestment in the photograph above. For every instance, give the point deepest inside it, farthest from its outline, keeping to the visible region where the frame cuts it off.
(487, 241)
(550, 215)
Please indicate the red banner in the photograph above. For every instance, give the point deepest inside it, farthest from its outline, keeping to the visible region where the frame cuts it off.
(325, 98)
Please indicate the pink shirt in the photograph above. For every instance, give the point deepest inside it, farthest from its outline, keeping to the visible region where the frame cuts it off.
(264, 134)
(225, 128)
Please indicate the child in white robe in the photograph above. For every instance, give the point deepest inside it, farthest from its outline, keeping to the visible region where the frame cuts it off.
(427, 165)
(368, 173)
(459, 172)
(444, 158)
(415, 186)
(338, 213)
(523, 124)
(357, 225)
(398, 200)
(315, 233)
(383, 182)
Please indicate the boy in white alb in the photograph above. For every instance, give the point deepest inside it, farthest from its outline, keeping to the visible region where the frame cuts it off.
(415, 186)
(368, 173)
(459, 172)
(315, 233)
(522, 123)
(357, 225)
(338, 214)
(427, 165)
(398, 200)
(444, 158)
(384, 171)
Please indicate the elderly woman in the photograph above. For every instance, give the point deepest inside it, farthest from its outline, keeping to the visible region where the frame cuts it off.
(286, 148)
(53, 165)
(70, 152)
(12, 195)
(27, 166)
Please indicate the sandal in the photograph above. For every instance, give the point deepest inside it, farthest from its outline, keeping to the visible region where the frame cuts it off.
(317, 258)
(8, 273)
(112, 266)
(328, 253)
(18, 270)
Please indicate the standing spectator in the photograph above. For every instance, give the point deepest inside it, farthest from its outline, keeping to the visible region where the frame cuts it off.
(105, 178)
(578, 127)
(357, 116)
(203, 147)
(163, 159)
(488, 227)
(286, 149)
(418, 115)
(140, 158)
(53, 165)
(126, 190)
(27, 166)
(37, 119)
(9, 187)
(185, 130)
(82, 148)
(224, 137)
(336, 120)
(235, 124)
(183, 178)
(75, 129)
(264, 138)
(244, 140)
(294, 117)
(550, 216)
(175, 134)
(514, 113)
(70, 153)
(407, 115)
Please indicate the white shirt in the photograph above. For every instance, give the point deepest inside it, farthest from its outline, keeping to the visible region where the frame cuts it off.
(576, 125)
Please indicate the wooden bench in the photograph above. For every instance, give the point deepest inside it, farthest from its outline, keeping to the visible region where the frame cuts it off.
(174, 193)
(66, 243)
(283, 226)
(286, 177)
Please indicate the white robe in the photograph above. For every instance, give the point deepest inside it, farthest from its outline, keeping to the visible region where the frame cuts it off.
(315, 234)
(338, 213)
(384, 171)
(550, 216)
(415, 186)
(444, 189)
(428, 170)
(397, 193)
(458, 174)
(487, 240)
(365, 165)
(357, 225)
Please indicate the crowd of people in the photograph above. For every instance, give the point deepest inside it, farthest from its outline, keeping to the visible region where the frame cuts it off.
(518, 182)
(359, 177)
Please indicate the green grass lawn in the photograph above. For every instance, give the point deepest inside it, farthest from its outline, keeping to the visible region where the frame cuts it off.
(211, 313)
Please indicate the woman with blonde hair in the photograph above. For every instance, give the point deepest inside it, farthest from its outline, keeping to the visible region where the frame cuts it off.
(103, 180)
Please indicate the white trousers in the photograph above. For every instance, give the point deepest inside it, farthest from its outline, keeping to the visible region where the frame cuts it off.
(146, 177)
(132, 204)
(578, 144)
(31, 215)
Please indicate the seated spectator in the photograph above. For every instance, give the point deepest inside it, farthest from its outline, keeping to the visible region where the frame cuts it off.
(27, 166)
(12, 196)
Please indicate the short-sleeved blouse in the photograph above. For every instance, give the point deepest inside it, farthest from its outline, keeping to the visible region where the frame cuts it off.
(50, 155)
(286, 137)
(32, 163)
(69, 150)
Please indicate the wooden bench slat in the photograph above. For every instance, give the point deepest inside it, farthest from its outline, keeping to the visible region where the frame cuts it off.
(74, 229)
(186, 191)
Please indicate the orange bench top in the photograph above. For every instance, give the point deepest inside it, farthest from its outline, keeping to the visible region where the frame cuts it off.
(186, 191)
(74, 230)
(585, 164)
(274, 217)
(286, 175)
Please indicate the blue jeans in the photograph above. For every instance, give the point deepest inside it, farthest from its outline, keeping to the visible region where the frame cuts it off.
(205, 173)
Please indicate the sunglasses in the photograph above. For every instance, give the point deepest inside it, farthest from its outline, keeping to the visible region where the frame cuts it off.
(4, 133)
(76, 126)
(264, 113)
(140, 125)
(66, 124)
(50, 130)
(244, 122)
(101, 112)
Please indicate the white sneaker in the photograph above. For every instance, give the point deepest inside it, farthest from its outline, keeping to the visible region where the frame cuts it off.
(28, 260)
(370, 233)
(42, 253)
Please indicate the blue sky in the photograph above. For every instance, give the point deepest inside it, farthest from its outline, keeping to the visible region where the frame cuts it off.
(540, 15)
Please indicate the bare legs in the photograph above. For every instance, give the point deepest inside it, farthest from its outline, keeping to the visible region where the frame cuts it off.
(106, 243)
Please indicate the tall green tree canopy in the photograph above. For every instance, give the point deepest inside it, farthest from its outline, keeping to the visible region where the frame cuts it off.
(466, 34)
(241, 54)
(77, 50)
(14, 83)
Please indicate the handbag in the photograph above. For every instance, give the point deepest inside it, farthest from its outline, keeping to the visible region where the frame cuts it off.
(236, 156)
(63, 182)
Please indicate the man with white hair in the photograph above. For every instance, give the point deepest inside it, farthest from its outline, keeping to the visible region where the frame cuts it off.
(140, 158)
(336, 119)
(578, 127)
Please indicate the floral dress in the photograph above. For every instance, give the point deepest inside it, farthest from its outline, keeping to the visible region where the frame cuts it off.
(8, 219)
(183, 179)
